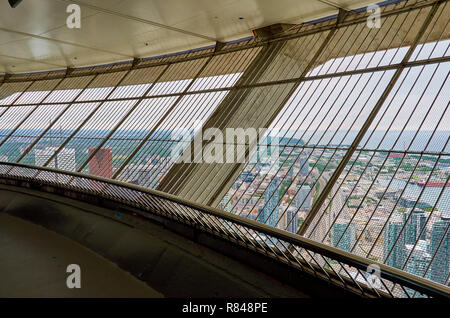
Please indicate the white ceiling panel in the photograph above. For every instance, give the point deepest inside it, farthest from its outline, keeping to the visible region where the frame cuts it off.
(34, 36)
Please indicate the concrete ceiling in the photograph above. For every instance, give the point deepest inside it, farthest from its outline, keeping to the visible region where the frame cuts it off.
(34, 36)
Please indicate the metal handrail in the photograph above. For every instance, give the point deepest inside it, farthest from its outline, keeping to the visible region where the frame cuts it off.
(396, 277)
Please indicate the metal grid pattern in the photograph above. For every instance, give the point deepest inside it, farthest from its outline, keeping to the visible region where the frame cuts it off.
(321, 261)
(361, 115)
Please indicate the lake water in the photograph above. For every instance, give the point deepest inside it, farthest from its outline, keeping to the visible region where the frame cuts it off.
(429, 195)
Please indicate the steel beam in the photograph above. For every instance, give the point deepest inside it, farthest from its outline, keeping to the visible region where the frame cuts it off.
(343, 163)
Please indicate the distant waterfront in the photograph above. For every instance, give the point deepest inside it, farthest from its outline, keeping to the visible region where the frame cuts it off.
(429, 195)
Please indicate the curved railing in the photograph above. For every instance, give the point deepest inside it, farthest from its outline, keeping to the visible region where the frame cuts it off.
(341, 268)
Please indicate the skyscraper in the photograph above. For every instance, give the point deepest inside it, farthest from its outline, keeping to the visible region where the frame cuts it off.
(269, 214)
(391, 233)
(418, 261)
(421, 222)
(343, 236)
(101, 163)
(440, 247)
(414, 226)
(304, 198)
(303, 165)
(291, 221)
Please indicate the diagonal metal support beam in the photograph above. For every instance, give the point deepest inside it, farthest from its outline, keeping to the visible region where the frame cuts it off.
(219, 45)
(94, 111)
(30, 147)
(29, 114)
(161, 120)
(179, 174)
(92, 155)
(306, 32)
(334, 177)
(234, 173)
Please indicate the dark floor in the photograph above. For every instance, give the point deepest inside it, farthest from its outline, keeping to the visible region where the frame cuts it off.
(33, 262)
(120, 255)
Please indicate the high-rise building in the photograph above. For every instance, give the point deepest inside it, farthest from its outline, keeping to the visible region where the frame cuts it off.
(64, 160)
(414, 226)
(440, 248)
(343, 236)
(269, 214)
(101, 163)
(304, 198)
(304, 166)
(421, 222)
(418, 261)
(391, 233)
(291, 221)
